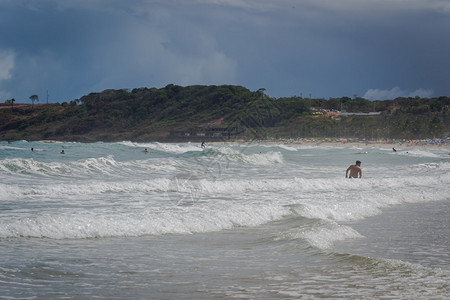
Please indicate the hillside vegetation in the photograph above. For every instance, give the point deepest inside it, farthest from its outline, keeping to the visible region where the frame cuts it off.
(151, 114)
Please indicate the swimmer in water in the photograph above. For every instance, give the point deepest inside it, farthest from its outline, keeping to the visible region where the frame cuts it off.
(354, 170)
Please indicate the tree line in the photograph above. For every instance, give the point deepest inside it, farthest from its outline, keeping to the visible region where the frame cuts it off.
(146, 114)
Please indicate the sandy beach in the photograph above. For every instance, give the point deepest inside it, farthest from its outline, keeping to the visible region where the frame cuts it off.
(328, 142)
(397, 146)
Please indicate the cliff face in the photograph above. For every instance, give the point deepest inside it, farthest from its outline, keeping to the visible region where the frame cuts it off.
(176, 113)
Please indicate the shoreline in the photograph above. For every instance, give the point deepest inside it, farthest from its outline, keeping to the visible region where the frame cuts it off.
(311, 142)
(387, 144)
(368, 145)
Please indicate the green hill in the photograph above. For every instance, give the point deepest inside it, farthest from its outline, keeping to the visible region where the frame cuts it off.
(175, 113)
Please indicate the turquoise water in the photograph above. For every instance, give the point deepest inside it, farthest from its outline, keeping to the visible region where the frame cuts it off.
(254, 221)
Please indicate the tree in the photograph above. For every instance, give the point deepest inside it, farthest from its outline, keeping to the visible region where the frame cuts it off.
(34, 98)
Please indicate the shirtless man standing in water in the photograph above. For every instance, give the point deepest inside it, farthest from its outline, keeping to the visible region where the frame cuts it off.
(354, 170)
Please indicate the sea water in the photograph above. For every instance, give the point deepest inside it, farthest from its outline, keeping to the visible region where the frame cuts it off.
(231, 221)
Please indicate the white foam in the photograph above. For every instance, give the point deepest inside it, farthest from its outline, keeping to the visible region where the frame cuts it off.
(26, 166)
(404, 189)
(282, 146)
(178, 148)
(258, 159)
(289, 148)
(13, 148)
(107, 166)
(359, 203)
(324, 237)
(264, 159)
(89, 224)
(163, 194)
(166, 147)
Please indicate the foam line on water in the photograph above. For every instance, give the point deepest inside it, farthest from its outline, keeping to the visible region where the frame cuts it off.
(165, 147)
(300, 186)
(322, 236)
(146, 222)
(109, 166)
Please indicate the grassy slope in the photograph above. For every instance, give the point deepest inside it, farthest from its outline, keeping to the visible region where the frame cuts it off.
(150, 114)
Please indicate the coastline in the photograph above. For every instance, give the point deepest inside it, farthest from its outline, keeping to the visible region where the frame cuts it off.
(328, 142)
(324, 142)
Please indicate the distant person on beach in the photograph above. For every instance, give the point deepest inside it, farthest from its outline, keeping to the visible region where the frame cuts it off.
(354, 170)
(32, 149)
(393, 149)
(146, 151)
(203, 145)
(62, 152)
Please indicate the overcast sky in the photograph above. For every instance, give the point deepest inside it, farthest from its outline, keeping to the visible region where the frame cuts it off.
(377, 49)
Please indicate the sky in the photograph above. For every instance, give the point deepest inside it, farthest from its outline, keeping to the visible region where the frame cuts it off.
(375, 49)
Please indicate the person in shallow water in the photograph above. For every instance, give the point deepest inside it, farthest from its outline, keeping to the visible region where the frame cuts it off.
(354, 170)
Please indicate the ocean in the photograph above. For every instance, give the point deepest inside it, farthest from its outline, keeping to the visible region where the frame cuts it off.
(231, 221)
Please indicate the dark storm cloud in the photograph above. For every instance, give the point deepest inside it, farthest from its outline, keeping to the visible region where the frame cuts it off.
(376, 49)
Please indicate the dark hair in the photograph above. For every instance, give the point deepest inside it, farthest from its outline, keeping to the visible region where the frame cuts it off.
(358, 162)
